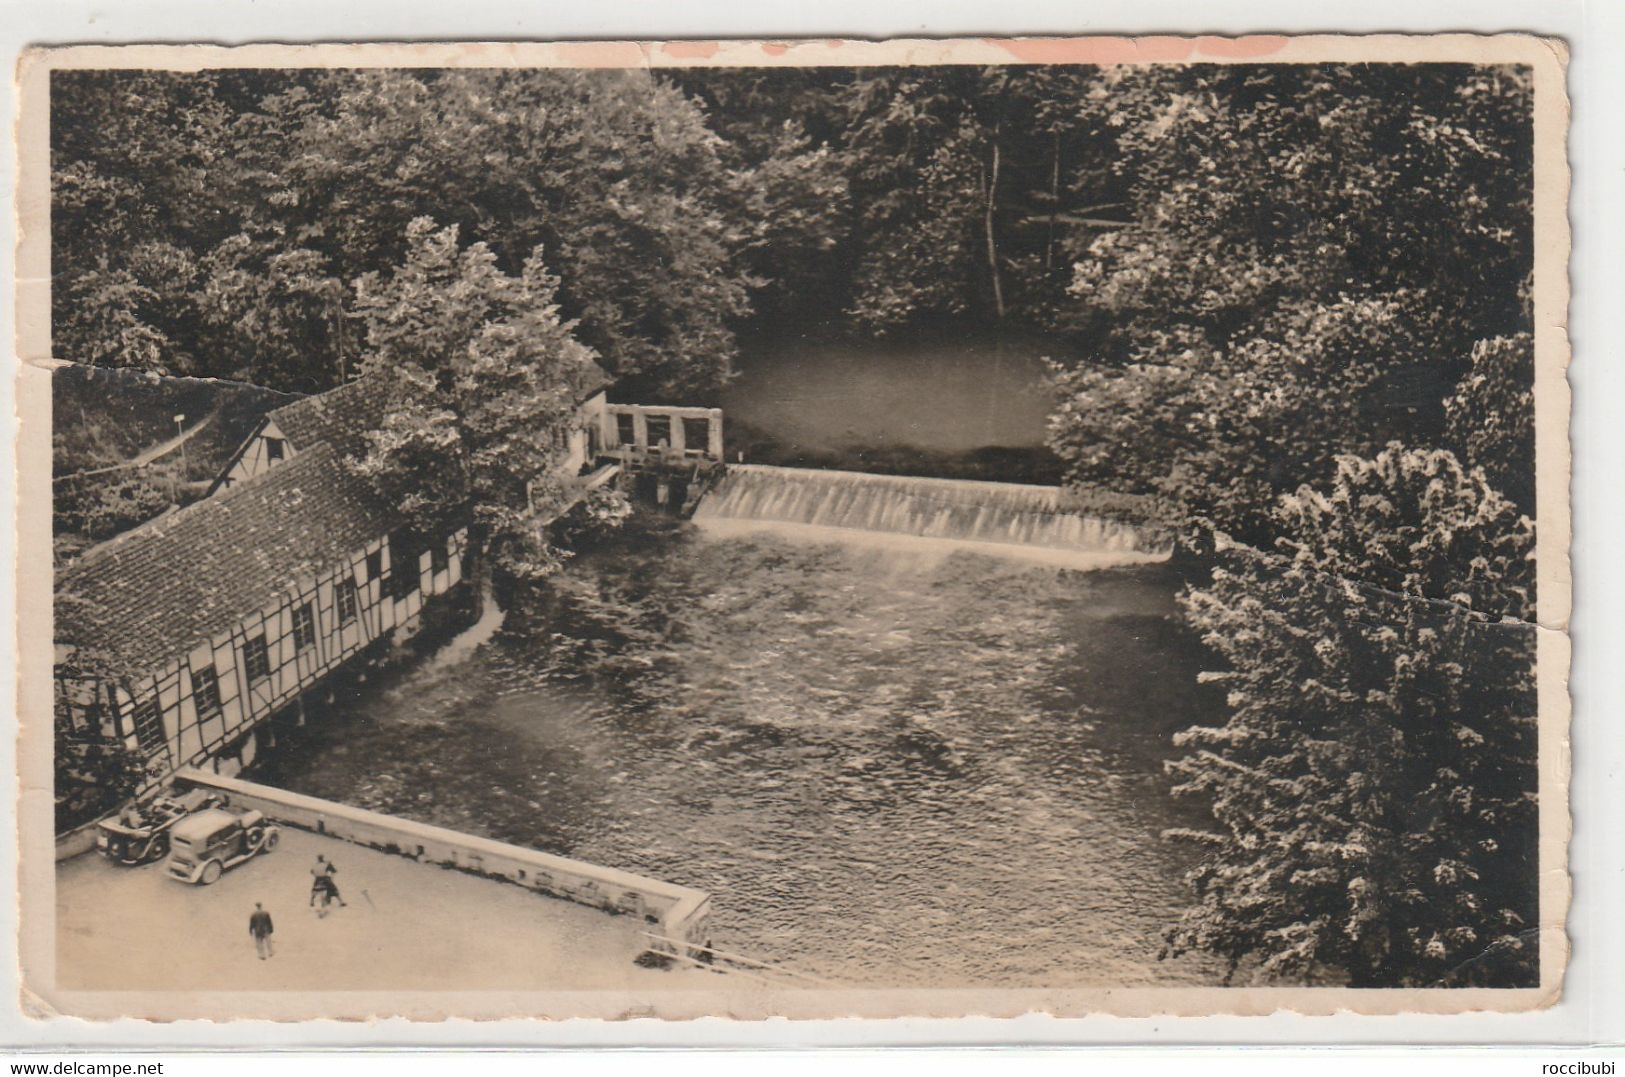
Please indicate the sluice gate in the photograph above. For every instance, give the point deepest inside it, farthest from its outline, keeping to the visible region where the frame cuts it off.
(949, 510)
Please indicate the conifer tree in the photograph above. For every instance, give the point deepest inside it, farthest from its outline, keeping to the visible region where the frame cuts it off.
(1490, 419)
(1374, 788)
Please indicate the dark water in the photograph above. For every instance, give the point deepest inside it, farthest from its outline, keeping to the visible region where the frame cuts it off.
(944, 395)
(886, 768)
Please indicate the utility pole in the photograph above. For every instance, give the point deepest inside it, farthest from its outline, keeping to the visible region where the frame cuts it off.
(180, 430)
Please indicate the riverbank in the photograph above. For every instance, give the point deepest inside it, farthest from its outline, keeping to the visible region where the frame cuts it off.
(994, 463)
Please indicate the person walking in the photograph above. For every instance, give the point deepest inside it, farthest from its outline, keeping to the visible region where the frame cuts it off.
(259, 926)
(322, 884)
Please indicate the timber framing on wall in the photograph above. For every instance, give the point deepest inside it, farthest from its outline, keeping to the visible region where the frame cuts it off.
(225, 613)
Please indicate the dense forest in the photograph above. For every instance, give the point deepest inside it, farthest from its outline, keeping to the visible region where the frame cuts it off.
(1324, 246)
(1291, 307)
(218, 224)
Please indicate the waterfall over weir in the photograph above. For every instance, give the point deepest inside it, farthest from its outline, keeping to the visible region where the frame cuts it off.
(1027, 522)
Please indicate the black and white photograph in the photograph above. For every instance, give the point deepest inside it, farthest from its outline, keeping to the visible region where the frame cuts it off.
(814, 529)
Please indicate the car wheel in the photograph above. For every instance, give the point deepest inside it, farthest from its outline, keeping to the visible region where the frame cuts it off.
(211, 872)
(271, 838)
(160, 848)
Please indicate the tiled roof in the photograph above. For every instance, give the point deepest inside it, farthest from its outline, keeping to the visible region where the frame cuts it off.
(341, 416)
(157, 591)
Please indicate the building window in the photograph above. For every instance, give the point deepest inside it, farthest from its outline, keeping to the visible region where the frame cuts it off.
(149, 727)
(256, 662)
(697, 435)
(658, 429)
(438, 561)
(625, 429)
(304, 627)
(206, 693)
(403, 567)
(273, 450)
(344, 600)
(375, 565)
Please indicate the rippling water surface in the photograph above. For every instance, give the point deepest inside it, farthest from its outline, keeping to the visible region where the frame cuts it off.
(887, 768)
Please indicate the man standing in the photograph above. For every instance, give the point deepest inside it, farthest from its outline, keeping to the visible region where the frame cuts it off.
(259, 926)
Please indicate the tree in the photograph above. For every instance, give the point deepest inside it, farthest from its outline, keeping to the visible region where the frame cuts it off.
(216, 223)
(912, 147)
(1374, 787)
(1312, 253)
(94, 770)
(1490, 419)
(613, 172)
(480, 371)
(280, 309)
(94, 774)
(970, 186)
(787, 193)
(101, 506)
(135, 195)
(794, 204)
(1218, 433)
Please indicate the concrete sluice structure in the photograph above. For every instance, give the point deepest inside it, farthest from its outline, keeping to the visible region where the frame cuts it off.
(1030, 522)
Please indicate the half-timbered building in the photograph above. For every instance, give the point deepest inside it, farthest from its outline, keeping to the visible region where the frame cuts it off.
(213, 618)
(201, 625)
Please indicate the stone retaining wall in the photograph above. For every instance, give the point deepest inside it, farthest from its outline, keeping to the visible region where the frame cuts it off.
(676, 912)
(80, 840)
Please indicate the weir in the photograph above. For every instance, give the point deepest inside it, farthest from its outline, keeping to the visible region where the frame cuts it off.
(992, 517)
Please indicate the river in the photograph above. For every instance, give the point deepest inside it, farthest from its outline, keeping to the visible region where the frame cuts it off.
(888, 767)
(967, 407)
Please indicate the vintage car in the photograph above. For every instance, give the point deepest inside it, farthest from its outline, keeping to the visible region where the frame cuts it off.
(140, 834)
(206, 843)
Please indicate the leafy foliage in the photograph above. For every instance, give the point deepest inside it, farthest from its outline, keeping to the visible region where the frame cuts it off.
(795, 204)
(94, 775)
(479, 367)
(972, 183)
(98, 511)
(135, 160)
(1374, 787)
(1314, 252)
(1490, 419)
(1375, 783)
(94, 771)
(217, 224)
(960, 187)
(105, 420)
